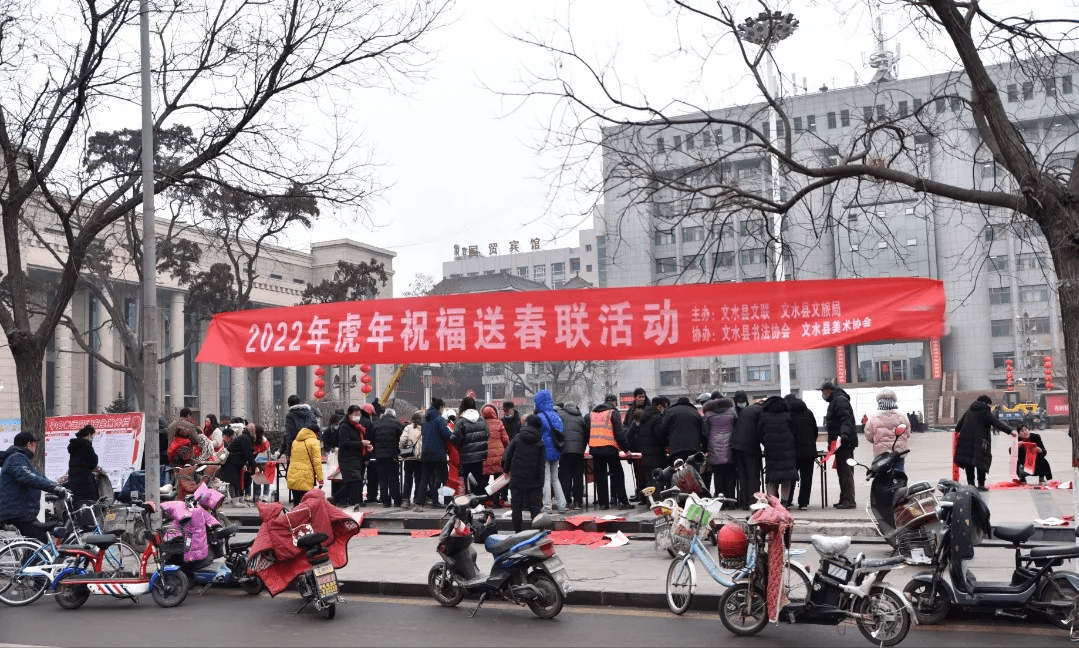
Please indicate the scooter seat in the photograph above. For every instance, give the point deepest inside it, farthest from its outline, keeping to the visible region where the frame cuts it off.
(311, 540)
(1014, 533)
(500, 544)
(100, 541)
(877, 563)
(1065, 551)
(830, 545)
(226, 532)
(242, 546)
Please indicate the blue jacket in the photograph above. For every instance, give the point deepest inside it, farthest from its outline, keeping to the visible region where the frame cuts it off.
(19, 485)
(435, 435)
(551, 421)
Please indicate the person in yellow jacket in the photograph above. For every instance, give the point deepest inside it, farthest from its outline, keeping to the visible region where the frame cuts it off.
(304, 464)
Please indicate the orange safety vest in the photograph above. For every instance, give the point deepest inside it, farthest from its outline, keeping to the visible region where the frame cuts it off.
(602, 433)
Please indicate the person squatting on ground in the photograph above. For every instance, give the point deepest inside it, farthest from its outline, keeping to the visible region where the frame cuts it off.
(1041, 465)
(525, 460)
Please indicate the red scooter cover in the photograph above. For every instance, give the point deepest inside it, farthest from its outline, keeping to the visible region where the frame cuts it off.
(276, 560)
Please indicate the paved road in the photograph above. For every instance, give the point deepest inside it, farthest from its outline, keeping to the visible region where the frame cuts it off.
(225, 618)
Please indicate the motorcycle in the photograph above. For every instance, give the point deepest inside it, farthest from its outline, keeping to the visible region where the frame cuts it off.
(902, 513)
(83, 573)
(526, 570)
(842, 589)
(1034, 586)
(225, 563)
(318, 584)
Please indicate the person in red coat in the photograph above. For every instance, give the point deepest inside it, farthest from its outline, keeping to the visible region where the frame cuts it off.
(497, 440)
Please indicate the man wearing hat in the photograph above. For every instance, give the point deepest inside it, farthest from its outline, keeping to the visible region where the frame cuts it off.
(19, 486)
(606, 438)
(839, 422)
(510, 420)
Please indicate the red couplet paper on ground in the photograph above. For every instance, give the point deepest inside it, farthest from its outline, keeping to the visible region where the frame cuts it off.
(1030, 456)
(425, 533)
(368, 533)
(586, 324)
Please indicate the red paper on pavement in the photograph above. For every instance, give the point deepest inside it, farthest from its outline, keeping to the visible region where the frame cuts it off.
(634, 322)
(368, 533)
(425, 533)
(1054, 484)
(576, 537)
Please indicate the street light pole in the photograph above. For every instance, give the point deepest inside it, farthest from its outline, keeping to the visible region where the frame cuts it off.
(766, 31)
(149, 271)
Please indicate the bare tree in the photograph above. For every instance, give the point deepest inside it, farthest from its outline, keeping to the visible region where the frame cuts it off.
(240, 74)
(662, 158)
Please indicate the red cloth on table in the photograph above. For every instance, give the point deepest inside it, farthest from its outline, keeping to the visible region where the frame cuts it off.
(774, 520)
(273, 556)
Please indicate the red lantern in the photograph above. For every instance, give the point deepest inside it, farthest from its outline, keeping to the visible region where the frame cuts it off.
(1047, 362)
(365, 379)
(365, 368)
(320, 383)
(366, 389)
(319, 394)
(320, 372)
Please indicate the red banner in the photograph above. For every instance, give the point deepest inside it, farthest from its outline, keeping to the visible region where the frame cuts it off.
(584, 324)
(934, 359)
(1057, 404)
(841, 365)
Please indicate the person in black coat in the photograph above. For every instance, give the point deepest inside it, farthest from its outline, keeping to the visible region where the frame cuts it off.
(299, 416)
(781, 462)
(575, 429)
(510, 419)
(682, 429)
(746, 446)
(81, 463)
(525, 460)
(974, 449)
(804, 428)
(353, 448)
(839, 421)
(470, 436)
(386, 438)
(1041, 465)
(653, 447)
(241, 453)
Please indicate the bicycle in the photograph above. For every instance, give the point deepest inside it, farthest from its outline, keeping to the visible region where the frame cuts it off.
(739, 558)
(27, 565)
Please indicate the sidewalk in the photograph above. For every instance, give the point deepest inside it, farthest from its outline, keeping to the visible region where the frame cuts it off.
(394, 563)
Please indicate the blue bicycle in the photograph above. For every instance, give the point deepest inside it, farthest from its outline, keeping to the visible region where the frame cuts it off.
(739, 557)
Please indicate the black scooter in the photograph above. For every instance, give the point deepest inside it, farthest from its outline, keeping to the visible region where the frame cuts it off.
(526, 570)
(902, 513)
(1034, 586)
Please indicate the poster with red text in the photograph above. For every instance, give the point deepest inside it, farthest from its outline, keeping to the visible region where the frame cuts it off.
(118, 443)
(584, 324)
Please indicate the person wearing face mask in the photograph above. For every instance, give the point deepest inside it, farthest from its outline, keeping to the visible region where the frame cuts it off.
(353, 449)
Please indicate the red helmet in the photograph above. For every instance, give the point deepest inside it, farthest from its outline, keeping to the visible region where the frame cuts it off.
(732, 541)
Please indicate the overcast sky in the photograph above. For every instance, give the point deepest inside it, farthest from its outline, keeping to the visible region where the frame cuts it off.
(461, 161)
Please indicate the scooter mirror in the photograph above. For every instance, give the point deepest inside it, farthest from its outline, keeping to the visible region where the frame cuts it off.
(851, 462)
(542, 521)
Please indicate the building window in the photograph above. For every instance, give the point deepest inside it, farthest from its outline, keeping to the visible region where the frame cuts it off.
(1028, 90)
(1051, 87)
(752, 256)
(999, 263)
(1066, 84)
(724, 259)
(781, 128)
(797, 124)
(1031, 261)
(689, 142)
(902, 108)
(751, 226)
(224, 402)
(588, 268)
(666, 265)
(522, 271)
(811, 123)
(1013, 93)
(539, 273)
(867, 113)
(730, 374)
(1000, 359)
(664, 237)
(698, 377)
(588, 247)
(759, 373)
(717, 135)
(670, 378)
(736, 134)
(831, 120)
(660, 147)
(1031, 294)
(1001, 328)
(844, 117)
(678, 142)
(558, 275)
(706, 135)
(575, 266)
(941, 105)
(693, 233)
(880, 112)
(917, 105)
(1038, 325)
(489, 272)
(694, 261)
(998, 296)
(957, 104)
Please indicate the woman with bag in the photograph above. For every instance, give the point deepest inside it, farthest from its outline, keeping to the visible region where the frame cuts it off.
(304, 465)
(411, 445)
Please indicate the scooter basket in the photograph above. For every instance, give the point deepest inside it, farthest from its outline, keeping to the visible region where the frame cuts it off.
(917, 547)
(116, 519)
(916, 510)
(172, 549)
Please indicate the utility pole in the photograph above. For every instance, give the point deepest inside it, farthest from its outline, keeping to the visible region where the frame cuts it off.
(149, 273)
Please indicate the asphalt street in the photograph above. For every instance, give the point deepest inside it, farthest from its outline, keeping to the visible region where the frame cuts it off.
(230, 618)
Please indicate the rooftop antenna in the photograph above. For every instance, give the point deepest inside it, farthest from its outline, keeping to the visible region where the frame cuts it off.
(882, 60)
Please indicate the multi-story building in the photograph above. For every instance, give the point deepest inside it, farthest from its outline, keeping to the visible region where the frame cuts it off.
(1001, 300)
(75, 382)
(553, 267)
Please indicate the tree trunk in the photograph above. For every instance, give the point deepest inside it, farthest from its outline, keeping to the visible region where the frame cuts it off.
(256, 398)
(29, 356)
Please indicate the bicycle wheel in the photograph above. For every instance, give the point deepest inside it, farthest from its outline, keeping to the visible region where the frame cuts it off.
(16, 587)
(743, 609)
(121, 561)
(681, 581)
(797, 587)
